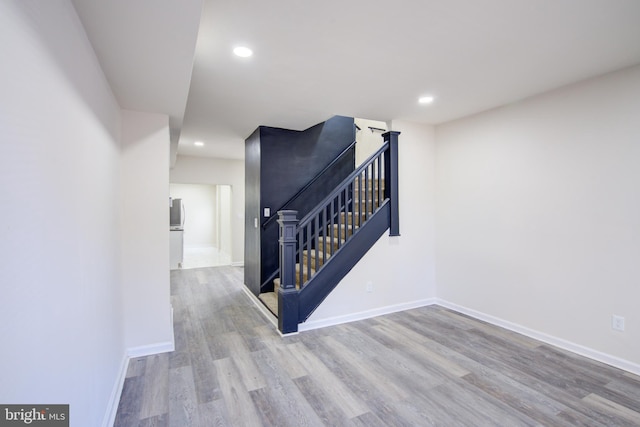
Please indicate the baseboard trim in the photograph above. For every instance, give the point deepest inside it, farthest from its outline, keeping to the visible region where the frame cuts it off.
(114, 400)
(237, 264)
(148, 350)
(338, 320)
(130, 353)
(599, 356)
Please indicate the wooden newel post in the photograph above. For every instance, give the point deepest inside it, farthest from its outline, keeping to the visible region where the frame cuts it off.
(287, 293)
(391, 180)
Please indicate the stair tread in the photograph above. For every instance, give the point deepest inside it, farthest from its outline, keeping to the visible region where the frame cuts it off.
(312, 253)
(276, 281)
(315, 262)
(328, 238)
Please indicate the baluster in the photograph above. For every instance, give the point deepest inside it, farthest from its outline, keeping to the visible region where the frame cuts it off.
(374, 186)
(333, 212)
(315, 242)
(307, 268)
(366, 193)
(324, 234)
(353, 205)
(360, 199)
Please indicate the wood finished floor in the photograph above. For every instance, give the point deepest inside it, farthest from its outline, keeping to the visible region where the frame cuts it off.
(428, 366)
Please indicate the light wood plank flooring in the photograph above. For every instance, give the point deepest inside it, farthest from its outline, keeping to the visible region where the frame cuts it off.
(423, 367)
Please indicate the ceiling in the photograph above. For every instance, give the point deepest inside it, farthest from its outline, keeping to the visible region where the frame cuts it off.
(360, 58)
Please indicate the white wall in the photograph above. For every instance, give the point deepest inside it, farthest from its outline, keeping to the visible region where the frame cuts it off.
(60, 306)
(368, 141)
(200, 170)
(401, 269)
(538, 213)
(145, 232)
(225, 218)
(200, 204)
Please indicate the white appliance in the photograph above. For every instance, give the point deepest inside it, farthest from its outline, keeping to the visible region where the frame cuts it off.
(176, 244)
(176, 231)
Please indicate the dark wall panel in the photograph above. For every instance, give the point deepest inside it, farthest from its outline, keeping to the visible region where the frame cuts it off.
(278, 164)
(289, 161)
(252, 269)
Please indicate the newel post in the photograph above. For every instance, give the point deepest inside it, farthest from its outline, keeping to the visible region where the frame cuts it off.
(287, 293)
(391, 180)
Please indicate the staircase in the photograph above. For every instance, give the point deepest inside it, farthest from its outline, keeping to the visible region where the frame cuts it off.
(365, 202)
(317, 251)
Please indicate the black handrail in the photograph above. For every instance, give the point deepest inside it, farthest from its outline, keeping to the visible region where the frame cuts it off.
(309, 184)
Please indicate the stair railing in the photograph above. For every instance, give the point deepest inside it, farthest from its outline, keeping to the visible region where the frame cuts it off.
(327, 227)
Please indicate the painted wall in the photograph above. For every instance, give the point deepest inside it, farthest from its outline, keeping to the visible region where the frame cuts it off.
(252, 214)
(225, 219)
(538, 214)
(145, 233)
(401, 269)
(61, 315)
(368, 141)
(200, 170)
(200, 204)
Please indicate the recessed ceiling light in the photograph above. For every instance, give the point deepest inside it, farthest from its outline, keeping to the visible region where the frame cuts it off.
(243, 51)
(198, 143)
(427, 99)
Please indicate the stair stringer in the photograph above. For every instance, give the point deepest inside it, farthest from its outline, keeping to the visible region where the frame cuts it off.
(342, 261)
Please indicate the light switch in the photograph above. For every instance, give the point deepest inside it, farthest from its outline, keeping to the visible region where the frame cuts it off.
(267, 212)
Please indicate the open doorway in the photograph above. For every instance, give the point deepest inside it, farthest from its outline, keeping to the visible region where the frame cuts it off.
(207, 224)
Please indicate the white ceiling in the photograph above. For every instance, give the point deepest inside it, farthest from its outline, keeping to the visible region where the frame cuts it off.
(358, 58)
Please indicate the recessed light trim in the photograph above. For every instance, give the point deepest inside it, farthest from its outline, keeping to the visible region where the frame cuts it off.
(199, 144)
(242, 51)
(426, 99)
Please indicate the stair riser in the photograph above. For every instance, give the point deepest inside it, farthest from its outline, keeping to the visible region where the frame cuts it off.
(343, 232)
(314, 264)
(346, 218)
(327, 247)
(371, 182)
(369, 190)
(305, 276)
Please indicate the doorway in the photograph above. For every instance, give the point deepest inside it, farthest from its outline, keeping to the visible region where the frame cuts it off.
(207, 224)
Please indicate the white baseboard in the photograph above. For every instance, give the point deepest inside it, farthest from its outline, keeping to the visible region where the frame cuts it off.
(237, 264)
(148, 350)
(352, 317)
(114, 400)
(599, 356)
(130, 353)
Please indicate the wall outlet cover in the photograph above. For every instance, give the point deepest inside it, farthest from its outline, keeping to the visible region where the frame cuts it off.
(617, 322)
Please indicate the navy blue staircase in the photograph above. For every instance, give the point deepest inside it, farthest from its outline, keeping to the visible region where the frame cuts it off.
(317, 251)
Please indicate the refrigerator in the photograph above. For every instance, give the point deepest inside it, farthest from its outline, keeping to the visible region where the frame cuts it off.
(176, 227)
(176, 213)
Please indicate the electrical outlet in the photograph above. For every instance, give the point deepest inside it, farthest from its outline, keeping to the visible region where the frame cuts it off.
(369, 286)
(617, 323)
